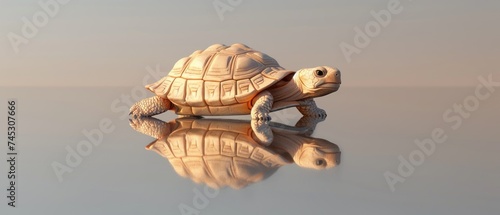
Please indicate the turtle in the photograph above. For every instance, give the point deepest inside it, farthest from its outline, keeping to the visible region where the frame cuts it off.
(236, 80)
(222, 153)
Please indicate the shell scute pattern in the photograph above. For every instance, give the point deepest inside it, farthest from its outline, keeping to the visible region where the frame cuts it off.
(218, 76)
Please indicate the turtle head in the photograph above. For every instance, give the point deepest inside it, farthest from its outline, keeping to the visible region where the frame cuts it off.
(317, 153)
(318, 81)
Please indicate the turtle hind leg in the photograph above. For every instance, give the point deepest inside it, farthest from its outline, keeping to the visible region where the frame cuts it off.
(150, 106)
(262, 105)
(151, 126)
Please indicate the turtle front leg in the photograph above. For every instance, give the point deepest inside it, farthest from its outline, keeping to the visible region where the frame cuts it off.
(308, 107)
(150, 106)
(262, 104)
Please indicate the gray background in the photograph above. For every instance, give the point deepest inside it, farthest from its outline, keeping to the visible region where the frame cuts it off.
(372, 127)
(92, 53)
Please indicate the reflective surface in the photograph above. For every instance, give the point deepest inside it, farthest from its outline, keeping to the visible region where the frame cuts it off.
(373, 127)
(225, 152)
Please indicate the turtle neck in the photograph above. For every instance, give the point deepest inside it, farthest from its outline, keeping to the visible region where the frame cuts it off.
(290, 144)
(291, 91)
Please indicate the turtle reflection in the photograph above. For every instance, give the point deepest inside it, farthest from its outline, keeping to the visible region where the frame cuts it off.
(230, 153)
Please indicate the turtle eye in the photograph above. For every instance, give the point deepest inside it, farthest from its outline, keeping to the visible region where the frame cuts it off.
(320, 162)
(319, 73)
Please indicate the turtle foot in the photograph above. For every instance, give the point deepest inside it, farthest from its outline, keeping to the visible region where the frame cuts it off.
(309, 123)
(150, 126)
(309, 108)
(262, 131)
(317, 113)
(261, 115)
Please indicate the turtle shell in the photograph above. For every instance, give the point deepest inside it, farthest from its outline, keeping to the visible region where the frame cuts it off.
(218, 153)
(219, 76)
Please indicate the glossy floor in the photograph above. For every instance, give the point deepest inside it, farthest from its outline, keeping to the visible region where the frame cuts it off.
(382, 169)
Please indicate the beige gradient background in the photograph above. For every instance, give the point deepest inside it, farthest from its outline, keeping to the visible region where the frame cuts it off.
(109, 43)
(94, 53)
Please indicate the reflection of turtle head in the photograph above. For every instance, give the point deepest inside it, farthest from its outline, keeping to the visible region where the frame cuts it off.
(317, 154)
